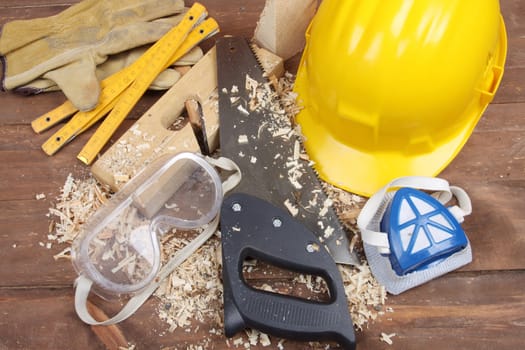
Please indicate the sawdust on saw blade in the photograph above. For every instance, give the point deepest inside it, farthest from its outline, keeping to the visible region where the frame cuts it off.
(193, 292)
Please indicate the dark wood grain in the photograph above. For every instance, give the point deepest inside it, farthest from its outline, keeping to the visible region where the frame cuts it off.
(457, 311)
(481, 306)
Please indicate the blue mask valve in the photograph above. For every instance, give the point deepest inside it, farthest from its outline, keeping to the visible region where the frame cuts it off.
(421, 231)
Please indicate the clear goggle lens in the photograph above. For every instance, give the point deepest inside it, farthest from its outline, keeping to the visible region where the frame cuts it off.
(119, 247)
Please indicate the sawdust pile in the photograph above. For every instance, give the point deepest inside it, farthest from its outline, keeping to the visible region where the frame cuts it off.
(78, 200)
(194, 290)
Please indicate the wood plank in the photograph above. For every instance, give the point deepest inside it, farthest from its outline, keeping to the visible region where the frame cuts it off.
(235, 16)
(11, 10)
(515, 52)
(497, 196)
(27, 261)
(491, 168)
(479, 307)
(458, 311)
(35, 174)
(497, 201)
(447, 313)
(151, 137)
(42, 319)
(35, 3)
(512, 89)
(512, 11)
(282, 26)
(31, 171)
(18, 109)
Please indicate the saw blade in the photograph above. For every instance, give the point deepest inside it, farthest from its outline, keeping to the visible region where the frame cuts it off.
(257, 134)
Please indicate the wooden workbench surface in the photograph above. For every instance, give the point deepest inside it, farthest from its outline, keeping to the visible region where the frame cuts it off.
(481, 306)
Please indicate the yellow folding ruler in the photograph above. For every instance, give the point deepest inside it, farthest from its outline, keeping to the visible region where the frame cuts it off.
(121, 91)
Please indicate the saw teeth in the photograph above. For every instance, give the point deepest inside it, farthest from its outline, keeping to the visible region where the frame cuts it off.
(255, 50)
(323, 185)
(315, 199)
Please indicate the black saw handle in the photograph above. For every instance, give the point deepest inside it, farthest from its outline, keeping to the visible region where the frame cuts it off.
(254, 228)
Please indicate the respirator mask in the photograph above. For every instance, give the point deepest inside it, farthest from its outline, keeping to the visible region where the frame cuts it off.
(409, 234)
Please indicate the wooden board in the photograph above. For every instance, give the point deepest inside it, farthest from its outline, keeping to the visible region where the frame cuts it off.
(424, 318)
(151, 137)
(152, 134)
(282, 26)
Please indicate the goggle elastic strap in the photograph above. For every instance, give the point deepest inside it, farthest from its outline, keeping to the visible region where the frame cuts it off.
(376, 206)
(229, 165)
(83, 284)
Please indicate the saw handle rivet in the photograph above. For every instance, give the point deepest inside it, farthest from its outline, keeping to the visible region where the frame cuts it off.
(312, 247)
(277, 222)
(236, 207)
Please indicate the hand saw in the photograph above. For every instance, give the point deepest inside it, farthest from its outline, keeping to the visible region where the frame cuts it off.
(121, 91)
(254, 228)
(263, 144)
(279, 213)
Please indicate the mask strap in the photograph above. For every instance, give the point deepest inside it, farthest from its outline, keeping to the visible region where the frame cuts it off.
(464, 207)
(83, 284)
(376, 205)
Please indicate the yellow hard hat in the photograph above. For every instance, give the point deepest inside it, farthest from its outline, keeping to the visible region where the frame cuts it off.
(395, 88)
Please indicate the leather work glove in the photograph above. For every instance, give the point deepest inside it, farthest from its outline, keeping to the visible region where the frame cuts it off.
(67, 47)
(165, 80)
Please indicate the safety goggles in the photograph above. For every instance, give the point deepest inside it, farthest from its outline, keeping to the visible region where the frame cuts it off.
(118, 251)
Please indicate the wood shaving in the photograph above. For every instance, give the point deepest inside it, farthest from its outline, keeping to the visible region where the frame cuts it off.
(140, 148)
(235, 100)
(365, 295)
(387, 338)
(282, 108)
(327, 233)
(131, 347)
(78, 201)
(292, 209)
(193, 292)
(251, 85)
(243, 139)
(243, 110)
(264, 339)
